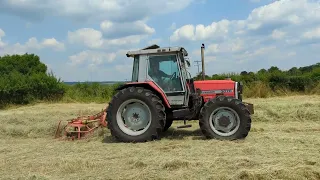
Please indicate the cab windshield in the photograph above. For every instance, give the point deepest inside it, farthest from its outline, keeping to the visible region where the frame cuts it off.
(164, 70)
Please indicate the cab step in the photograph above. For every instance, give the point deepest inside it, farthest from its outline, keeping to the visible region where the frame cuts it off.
(185, 125)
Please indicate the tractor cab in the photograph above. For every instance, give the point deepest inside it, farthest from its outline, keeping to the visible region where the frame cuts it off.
(166, 68)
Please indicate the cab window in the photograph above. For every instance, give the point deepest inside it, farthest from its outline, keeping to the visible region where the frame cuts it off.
(164, 70)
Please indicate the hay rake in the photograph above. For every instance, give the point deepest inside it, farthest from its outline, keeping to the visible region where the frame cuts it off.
(78, 128)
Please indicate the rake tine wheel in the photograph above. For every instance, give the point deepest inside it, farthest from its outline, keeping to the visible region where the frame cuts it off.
(79, 127)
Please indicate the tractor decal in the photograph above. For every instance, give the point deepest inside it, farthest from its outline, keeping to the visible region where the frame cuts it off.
(219, 91)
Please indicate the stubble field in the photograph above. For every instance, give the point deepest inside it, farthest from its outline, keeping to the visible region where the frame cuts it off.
(284, 144)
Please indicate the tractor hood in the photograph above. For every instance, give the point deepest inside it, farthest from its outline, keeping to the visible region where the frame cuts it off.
(212, 88)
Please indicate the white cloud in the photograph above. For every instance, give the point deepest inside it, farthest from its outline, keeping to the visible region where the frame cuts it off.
(128, 40)
(92, 58)
(123, 24)
(53, 43)
(123, 68)
(278, 13)
(262, 20)
(2, 34)
(102, 66)
(94, 39)
(114, 10)
(186, 32)
(292, 53)
(235, 45)
(312, 34)
(155, 41)
(114, 29)
(216, 31)
(31, 45)
(254, 53)
(278, 34)
(89, 37)
(93, 73)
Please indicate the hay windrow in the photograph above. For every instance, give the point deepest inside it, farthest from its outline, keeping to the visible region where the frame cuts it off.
(284, 144)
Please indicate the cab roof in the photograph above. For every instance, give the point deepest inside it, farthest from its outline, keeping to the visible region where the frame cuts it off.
(155, 49)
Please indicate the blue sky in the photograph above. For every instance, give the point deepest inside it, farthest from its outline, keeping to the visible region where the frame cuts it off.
(83, 40)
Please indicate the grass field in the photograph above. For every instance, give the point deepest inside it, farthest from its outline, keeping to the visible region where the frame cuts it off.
(284, 144)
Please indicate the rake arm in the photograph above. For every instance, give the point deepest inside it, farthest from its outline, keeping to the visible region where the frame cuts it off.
(79, 127)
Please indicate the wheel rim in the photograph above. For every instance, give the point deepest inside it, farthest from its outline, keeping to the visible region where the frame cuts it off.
(224, 121)
(134, 117)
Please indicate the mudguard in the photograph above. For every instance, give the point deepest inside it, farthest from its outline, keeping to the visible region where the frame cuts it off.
(151, 86)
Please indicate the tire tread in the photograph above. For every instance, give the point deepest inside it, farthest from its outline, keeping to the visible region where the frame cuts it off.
(244, 115)
(155, 101)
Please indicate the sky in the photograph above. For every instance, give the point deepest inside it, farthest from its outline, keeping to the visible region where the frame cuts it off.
(86, 40)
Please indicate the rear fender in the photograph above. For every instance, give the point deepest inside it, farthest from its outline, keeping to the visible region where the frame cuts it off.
(151, 86)
(249, 107)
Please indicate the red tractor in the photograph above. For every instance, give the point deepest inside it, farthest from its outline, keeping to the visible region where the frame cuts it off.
(162, 90)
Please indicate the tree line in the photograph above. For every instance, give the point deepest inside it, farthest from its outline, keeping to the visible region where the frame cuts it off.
(24, 79)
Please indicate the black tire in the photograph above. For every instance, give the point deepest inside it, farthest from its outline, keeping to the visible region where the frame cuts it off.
(229, 102)
(167, 125)
(155, 105)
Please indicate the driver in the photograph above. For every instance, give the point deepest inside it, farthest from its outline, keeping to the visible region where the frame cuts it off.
(159, 76)
(155, 72)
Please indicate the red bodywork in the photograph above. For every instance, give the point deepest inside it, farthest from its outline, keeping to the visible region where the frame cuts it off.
(211, 88)
(82, 125)
(154, 87)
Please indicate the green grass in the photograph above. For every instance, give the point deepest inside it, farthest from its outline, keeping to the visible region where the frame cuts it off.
(284, 144)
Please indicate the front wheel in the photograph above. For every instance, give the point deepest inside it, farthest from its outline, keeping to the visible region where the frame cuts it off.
(167, 125)
(225, 118)
(135, 114)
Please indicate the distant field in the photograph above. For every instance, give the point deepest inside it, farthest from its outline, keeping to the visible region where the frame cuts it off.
(284, 144)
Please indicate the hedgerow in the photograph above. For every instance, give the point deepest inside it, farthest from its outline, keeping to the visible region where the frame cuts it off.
(24, 79)
(274, 81)
(89, 92)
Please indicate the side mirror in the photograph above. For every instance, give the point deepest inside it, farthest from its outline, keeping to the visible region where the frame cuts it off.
(188, 63)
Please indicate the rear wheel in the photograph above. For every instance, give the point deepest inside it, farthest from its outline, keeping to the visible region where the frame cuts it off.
(225, 118)
(136, 114)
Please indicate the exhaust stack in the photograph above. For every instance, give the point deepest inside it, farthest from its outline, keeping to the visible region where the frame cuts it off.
(202, 60)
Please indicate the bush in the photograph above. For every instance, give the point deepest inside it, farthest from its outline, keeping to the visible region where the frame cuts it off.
(24, 79)
(257, 90)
